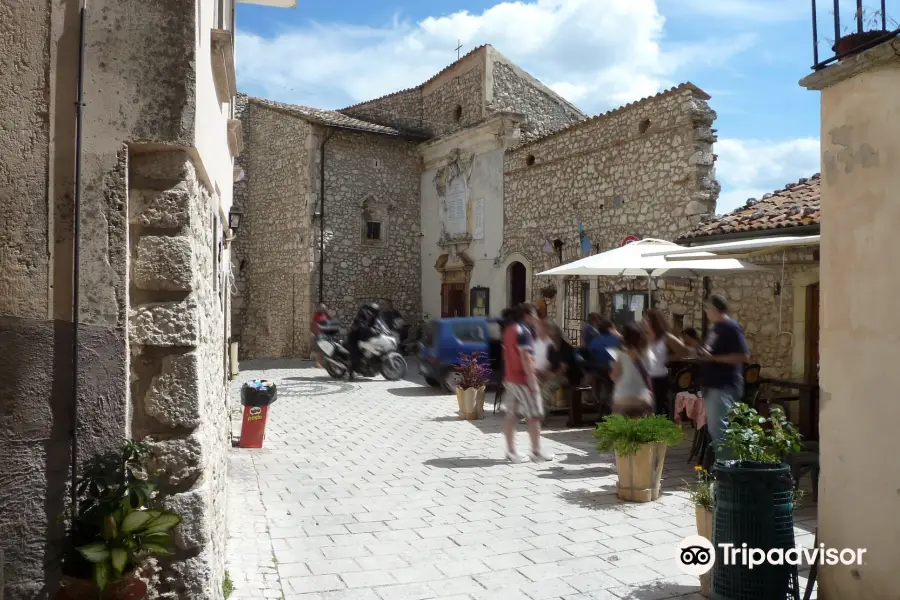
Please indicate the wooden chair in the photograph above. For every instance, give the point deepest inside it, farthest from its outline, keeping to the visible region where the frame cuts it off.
(751, 382)
(684, 382)
(803, 462)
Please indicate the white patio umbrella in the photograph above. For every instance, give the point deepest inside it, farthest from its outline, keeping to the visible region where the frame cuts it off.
(631, 260)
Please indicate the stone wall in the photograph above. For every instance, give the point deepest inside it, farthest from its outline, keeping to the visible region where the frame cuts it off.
(240, 196)
(455, 100)
(402, 110)
(452, 99)
(645, 169)
(271, 255)
(764, 305)
(380, 175)
(515, 91)
(178, 380)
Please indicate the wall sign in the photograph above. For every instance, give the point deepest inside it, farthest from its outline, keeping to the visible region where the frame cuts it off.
(629, 239)
(479, 302)
(456, 206)
(478, 233)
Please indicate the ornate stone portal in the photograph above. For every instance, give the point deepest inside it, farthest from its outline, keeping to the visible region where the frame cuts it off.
(456, 273)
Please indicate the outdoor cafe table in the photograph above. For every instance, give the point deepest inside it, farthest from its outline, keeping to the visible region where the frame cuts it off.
(809, 404)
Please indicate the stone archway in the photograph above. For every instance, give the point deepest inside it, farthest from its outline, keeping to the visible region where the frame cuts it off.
(516, 284)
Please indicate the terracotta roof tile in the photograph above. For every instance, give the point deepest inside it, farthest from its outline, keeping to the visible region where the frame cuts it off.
(796, 205)
(332, 118)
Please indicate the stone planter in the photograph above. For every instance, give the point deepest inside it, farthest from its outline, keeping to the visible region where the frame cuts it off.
(129, 588)
(471, 403)
(704, 530)
(640, 475)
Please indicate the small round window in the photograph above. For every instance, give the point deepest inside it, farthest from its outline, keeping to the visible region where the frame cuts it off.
(530, 160)
(644, 126)
(457, 113)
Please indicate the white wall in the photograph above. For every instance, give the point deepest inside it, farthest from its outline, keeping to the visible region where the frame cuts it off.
(211, 117)
(486, 182)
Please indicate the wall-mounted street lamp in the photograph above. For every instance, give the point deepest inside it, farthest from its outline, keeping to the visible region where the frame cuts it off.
(235, 215)
(234, 219)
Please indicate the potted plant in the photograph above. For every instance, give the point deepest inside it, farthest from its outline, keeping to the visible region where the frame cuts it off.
(549, 292)
(754, 500)
(472, 376)
(701, 495)
(113, 528)
(640, 448)
(850, 43)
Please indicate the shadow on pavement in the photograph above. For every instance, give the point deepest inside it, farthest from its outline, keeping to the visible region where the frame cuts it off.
(561, 473)
(415, 392)
(464, 463)
(599, 499)
(659, 590)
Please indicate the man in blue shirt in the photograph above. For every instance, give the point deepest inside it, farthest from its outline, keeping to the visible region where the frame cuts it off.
(724, 356)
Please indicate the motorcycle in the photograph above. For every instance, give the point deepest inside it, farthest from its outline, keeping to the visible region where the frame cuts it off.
(407, 344)
(378, 353)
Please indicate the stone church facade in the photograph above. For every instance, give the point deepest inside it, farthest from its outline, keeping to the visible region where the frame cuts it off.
(444, 197)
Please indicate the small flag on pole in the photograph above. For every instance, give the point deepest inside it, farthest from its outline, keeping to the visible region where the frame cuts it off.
(548, 247)
(585, 241)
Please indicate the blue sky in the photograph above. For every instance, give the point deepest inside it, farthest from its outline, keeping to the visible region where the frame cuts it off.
(747, 54)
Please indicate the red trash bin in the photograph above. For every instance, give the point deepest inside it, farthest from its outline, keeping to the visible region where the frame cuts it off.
(256, 396)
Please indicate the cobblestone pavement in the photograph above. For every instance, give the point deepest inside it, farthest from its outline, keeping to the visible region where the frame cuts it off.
(373, 490)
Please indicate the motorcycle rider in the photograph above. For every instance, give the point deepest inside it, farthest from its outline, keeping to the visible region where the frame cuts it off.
(361, 329)
(390, 315)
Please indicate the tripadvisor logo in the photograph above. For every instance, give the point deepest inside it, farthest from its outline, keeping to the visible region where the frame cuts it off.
(697, 555)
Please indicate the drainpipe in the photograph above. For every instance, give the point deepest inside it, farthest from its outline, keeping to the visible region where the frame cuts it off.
(322, 215)
(705, 322)
(76, 256)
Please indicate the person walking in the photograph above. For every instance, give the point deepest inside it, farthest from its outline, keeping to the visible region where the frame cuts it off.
(663, 345)
(589, 330)
(564, 362)
(522, 395)
(600, 360)
(632, 386)
(724, 357)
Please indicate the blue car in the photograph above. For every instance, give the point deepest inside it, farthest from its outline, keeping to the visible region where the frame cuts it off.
(443, 343)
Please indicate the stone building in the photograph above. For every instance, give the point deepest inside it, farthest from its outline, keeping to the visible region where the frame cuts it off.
(441, 197)
(645, 170)
(150, 172)
(779, 309)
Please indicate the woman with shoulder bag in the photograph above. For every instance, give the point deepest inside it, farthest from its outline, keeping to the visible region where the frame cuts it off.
(663, 346)
(633, 388)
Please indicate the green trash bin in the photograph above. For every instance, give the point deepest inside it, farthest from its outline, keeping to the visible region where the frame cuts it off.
(753, 506)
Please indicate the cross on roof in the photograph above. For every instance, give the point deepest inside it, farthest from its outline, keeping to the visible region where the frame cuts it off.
(458, 48)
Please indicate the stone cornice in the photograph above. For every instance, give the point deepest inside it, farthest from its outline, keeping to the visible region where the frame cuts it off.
(883, 55)
(492, 133)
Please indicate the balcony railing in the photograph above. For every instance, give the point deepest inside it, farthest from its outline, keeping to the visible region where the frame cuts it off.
(866, 25)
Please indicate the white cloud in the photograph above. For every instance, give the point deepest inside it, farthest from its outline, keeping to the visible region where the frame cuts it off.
(751, 168)
(598, 53)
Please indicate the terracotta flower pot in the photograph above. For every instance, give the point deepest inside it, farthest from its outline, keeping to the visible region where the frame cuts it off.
(471, 403)
(850, 43)
(128, 588)
(704, 530)
(640, 475)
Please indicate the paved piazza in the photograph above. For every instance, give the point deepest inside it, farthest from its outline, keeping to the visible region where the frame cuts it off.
(373, 490)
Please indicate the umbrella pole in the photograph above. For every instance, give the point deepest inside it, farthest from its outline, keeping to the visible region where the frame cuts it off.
(649, 292)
